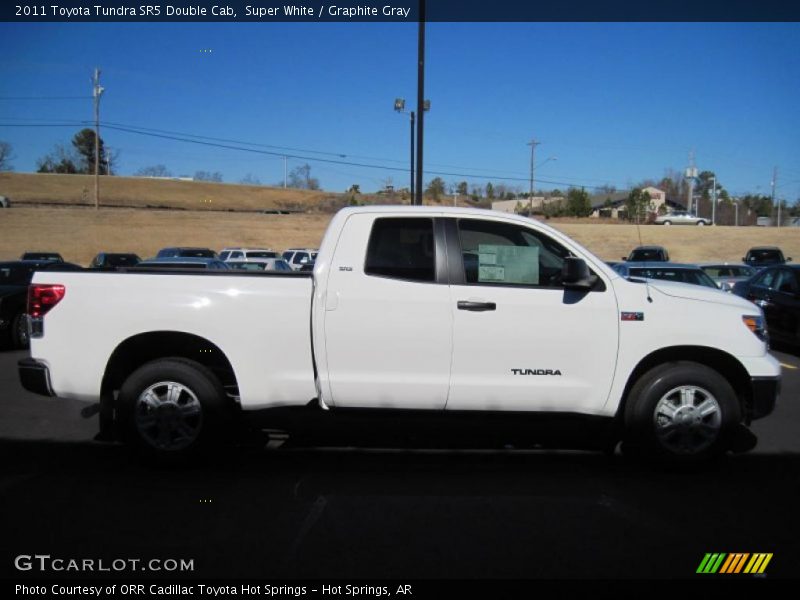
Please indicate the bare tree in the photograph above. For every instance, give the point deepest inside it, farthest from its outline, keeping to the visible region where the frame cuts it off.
(6, 156)
(154, 171)
(216, 176)
(250, 179)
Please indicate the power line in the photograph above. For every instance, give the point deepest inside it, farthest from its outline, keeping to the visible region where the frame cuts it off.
(45, 97)
(152, 133)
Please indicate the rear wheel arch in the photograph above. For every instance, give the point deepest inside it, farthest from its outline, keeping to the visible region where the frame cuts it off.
(143, 348)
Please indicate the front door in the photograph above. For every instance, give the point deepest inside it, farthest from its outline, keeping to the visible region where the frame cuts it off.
(520, 340)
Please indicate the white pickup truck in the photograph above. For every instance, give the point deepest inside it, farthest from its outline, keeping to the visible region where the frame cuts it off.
(414, 319)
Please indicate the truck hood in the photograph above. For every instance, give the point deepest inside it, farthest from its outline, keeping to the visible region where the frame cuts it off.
(701, 293)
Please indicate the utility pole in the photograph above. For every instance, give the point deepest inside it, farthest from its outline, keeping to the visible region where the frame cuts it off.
(420, 98)
(97, 91)
(411, 189)
(284, 171)
(533, 143)
(714, 202)
(772, 184)
(691, 175)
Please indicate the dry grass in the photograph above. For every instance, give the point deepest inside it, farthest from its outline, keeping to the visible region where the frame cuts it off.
(142, 192)
(79, 233)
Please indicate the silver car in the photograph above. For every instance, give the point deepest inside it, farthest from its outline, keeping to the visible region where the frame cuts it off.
(726, 275)
(681, 217)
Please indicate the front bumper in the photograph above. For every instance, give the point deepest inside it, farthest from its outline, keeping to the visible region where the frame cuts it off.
(35, 377)
(764, 395)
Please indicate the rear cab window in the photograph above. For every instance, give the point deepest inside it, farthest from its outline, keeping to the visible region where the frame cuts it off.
(402, 248)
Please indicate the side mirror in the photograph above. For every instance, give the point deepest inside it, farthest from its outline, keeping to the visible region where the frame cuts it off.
(744, 260)
(788, 259)
(624, 258)
(575, 275)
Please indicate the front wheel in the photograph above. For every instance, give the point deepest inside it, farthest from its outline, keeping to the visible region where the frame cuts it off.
(667, 222)
(681, 411)
(701, 223)
(173, 408)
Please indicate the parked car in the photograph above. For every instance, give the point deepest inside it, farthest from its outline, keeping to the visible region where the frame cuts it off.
(648, 254)
(14, 279)
(263, 264)
(764, 256)
(186, 252)
(42, 256)
(681, 217)
(246, 254)
(725, 275)
(776, 290)
(403, 334)
(114, 260)
(682, 273)
(297, 257)
(182, 262)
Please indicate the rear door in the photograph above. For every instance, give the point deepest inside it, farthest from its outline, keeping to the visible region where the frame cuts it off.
(520, 340)
(388, 323)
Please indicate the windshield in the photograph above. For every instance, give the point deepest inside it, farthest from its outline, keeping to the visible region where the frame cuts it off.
(261, 254)
(198, 253)
(765, 256)
(646, 254)
(693, 276)
(15, 275)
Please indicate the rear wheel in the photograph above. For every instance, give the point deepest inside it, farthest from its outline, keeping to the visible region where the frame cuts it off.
(173, 408)
(667, 222)
(701, 223)
(681, 411)
(19, 332)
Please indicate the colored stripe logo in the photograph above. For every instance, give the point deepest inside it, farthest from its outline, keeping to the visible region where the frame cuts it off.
(734, 563)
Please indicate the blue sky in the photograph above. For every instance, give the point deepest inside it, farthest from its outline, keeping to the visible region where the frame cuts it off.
(615, 103)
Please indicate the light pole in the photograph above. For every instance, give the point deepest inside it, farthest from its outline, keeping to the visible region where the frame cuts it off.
(714, 202)
(400, 107)
(97, 91)
(533, 172)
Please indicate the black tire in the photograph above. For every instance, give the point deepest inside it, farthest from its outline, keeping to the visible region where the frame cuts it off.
(701, 223)
(667, 223)
(697, 429)
(19, 332)
(173, 409)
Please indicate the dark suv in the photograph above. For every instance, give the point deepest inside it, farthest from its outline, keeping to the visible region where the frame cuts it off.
(648, 254)
(765, 256)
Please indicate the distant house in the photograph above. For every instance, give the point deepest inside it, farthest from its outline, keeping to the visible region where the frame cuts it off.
(538, 204)
(612, 206)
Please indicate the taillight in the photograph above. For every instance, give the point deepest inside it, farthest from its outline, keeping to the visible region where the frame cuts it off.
(42, 297)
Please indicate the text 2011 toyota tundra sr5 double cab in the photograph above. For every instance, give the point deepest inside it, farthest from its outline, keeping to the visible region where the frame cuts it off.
(414, 320)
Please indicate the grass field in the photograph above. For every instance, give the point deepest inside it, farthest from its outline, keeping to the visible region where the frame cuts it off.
(79, 233)
(25, 188)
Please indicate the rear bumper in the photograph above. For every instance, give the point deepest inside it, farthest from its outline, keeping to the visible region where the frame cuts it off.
(764, 396)
(35, 377)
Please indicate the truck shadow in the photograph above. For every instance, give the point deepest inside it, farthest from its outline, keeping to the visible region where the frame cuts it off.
(400, 513)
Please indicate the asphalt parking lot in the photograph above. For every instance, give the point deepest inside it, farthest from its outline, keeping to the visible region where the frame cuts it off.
(346, 513)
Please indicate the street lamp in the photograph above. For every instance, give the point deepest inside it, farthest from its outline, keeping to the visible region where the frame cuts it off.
(533, 174)
(400, 107)
(714, 202)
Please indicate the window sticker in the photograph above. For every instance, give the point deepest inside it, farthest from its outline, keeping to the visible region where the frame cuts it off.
(508, 264)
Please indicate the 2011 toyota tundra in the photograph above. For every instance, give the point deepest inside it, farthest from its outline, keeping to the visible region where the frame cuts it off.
(414, 319)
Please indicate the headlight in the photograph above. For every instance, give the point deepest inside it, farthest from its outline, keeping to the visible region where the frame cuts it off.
(757, 325)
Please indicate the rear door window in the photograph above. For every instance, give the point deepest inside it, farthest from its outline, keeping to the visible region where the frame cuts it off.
(401, 248)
